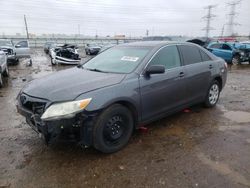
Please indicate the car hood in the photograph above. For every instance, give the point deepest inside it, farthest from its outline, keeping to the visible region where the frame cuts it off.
(6, 47)
(68, 84)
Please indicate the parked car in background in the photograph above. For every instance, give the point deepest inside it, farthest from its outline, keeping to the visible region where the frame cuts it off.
(231, 52)
(121, 89)
(48, 46)
(66, 54)
(4, 71)
(202, 41)
(15, 51)
(92, 49)
(106, 46)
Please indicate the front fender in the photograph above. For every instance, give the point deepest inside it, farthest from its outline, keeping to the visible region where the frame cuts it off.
(104, 97)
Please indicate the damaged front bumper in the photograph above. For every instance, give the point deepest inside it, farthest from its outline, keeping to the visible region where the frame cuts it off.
(78, 128)
(62, 60)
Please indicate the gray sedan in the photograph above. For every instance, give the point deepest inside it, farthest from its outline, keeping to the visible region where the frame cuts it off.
(121, 89)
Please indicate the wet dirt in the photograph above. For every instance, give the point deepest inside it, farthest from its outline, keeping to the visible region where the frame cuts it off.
(200, 148)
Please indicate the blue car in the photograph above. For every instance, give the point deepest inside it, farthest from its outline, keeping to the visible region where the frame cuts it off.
(234, 53)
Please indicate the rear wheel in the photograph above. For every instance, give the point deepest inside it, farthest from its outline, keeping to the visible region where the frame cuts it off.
(236, 60)
(113, 129)
(213, 94)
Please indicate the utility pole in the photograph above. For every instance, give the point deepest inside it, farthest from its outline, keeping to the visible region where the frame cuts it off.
(208, 19)
(26, 27)
(232, 15)
(79, 30)
(147, 32)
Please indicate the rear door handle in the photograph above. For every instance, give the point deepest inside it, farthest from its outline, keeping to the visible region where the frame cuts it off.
(181, 74)
(210, 66)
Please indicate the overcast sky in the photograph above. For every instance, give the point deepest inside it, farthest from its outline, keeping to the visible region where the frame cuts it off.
(129, 17)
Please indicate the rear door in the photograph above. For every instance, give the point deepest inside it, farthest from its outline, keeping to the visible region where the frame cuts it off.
(163, 92)
(198, 72)
(22, 49)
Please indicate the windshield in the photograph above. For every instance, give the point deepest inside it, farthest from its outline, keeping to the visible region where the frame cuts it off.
(5, 43)
(117, 60)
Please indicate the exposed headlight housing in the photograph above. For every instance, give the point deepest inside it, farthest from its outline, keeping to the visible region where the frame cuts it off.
(242, 53)
(65, 109)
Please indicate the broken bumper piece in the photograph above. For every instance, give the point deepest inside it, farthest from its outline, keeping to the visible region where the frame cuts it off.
(62, 60)
(77, 128)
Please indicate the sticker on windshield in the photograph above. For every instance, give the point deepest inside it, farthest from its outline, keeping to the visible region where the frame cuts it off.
(129, 58)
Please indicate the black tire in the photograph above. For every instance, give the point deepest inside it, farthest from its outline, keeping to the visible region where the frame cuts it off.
(6, 72)
(236, 60)
(213, 94)
(113, 129)
(1, 80)
(30, 63)
(52, 61)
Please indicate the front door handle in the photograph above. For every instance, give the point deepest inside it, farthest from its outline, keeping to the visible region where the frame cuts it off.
(181, 74)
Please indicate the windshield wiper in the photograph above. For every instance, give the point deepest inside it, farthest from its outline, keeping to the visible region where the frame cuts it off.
(96, 70)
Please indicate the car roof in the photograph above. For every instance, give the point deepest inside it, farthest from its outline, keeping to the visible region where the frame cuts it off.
(152, 44)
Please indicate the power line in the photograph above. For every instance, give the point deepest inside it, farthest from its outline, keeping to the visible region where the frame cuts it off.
(208, 19)
(232, 15)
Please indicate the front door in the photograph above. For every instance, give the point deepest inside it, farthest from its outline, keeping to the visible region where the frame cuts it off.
(163, 92)
(22, 49)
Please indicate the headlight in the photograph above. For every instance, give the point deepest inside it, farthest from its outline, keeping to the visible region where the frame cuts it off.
(65, 109)
(242, 53)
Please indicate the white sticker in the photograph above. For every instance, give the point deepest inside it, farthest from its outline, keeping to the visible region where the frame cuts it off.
(129, 58)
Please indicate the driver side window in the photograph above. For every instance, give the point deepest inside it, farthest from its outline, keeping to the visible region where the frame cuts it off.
(168, 57)
(226, 47)
(22, 44)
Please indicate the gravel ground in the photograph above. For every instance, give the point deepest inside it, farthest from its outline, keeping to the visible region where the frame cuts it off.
(202, 148)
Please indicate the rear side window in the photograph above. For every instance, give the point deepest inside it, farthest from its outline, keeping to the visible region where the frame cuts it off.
(167, 56)
(204, 56)
(218, 46)
(190, 54)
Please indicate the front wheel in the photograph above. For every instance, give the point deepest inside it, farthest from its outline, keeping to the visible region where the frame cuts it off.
(213, 94)
(1, 80)
(6, 72)
(113, 129)
(53, 61)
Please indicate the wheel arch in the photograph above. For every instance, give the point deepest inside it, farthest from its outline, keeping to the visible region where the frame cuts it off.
(219, 80)
(128, 104)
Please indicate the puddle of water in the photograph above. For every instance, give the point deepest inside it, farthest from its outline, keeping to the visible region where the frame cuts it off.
(223, 169)
(235, 128)
(238, 116)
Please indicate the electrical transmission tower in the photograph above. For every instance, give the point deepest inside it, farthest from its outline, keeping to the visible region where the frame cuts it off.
(232, 15)
(208, 19)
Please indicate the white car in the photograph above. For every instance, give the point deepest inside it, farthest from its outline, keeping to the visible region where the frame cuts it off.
(4, 71)
(15, 51)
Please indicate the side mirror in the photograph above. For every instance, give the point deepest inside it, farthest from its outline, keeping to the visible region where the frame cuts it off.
(17, 46)
(155, 69)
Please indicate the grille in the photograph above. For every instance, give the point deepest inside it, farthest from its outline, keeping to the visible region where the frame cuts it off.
(36, 107)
